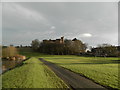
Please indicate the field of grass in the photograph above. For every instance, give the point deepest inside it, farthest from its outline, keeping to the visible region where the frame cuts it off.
(32, 74)
(29, 53)
(101, 70)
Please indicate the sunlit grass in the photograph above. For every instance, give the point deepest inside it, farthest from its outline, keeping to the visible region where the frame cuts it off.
(32, 74)
(101, 70)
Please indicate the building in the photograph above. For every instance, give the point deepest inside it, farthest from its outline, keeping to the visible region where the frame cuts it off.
(61, 40)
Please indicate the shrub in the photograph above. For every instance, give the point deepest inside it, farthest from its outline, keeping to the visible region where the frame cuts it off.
(9, 52)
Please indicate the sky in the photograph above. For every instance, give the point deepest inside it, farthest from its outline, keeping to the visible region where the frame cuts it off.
(91, 22)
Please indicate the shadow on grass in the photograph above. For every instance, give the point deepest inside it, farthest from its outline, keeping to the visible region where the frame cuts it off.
(61, 58)
(102, 62)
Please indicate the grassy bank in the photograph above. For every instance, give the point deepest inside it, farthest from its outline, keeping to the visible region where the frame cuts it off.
(32, 74)
(101, 70)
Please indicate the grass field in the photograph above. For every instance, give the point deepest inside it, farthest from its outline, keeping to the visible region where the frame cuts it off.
(32, 74)
(102, 70)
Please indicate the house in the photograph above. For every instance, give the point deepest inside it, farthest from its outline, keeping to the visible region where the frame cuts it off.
(61, 40)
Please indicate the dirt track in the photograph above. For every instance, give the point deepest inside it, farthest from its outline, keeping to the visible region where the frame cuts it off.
(70, 78)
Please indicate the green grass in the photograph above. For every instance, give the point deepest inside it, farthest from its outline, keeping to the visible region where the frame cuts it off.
(101, 70)
(28, 52)
(32, 74)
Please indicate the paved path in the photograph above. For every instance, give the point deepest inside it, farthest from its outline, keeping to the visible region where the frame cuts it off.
(70, 78)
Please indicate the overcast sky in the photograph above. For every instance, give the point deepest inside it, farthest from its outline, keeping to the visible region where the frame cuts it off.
(93, 23)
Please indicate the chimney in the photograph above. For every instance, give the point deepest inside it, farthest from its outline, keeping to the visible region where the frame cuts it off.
(62, 39)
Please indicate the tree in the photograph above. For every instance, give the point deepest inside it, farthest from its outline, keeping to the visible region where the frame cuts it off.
(35, 44)
(78, 46)
(9, 51)
(0, 51)
(105, 50)
(74, 46)
(68, 47)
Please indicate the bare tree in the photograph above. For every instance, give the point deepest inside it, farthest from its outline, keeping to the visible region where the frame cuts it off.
(35, 44)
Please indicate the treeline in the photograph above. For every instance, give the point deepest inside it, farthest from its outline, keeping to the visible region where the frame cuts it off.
(75, 47)
(106, 50)
(67, 48)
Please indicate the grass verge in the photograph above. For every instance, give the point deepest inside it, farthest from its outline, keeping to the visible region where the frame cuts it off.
(32, 74)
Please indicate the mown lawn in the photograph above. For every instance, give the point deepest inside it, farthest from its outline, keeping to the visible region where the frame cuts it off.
(32, 74)
(101, 70)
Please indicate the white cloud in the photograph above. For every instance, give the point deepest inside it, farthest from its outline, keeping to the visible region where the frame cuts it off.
(84, 35)
(53, 27)
(87, 35)
(77, 35)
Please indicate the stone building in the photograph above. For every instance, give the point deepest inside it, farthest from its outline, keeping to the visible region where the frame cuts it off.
(61, 40)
